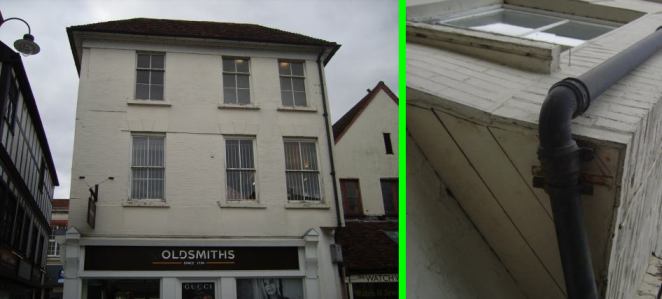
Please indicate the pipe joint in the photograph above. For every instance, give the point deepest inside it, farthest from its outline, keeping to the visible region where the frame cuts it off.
(582, 95)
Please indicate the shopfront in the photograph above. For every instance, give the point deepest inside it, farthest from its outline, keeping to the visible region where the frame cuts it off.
(131, 269)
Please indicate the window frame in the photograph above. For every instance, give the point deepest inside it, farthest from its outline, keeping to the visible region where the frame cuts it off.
(254, 169)
(395, 198)
(320, 185)
(150, 70)
(56, 247)
(236, 73)
(388, 143)
(291, 78)
(343, 191)
(131, 167)
(11, 103)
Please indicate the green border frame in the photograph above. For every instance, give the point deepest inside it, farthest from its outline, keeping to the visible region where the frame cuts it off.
(402, 155)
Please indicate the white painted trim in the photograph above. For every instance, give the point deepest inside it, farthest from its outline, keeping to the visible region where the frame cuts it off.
(162, 103)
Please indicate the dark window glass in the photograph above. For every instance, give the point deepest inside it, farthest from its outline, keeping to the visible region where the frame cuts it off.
(150, 76)
(387, 143)
(390, 196)
(351, 197)
(292, 86)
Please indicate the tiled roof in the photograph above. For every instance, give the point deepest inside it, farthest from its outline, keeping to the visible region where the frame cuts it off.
(366, 247)
(346, 120)
(201, 29)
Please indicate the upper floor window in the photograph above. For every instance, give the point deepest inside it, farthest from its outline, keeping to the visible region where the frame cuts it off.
(149, 76)
(236, 86)
(387, 144)
(301, 170)
(53, 247)
(240, 168)
(536, 25)
(292, 87)
(351, 197)
(10, 105)
(147, 166)
(390, 196)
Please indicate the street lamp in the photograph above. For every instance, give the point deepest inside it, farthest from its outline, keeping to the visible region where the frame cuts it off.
(26, 45)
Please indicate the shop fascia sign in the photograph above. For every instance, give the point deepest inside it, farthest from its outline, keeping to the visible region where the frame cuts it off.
(372, 278)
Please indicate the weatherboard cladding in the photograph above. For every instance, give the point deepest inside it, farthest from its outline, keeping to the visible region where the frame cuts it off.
(629, 114)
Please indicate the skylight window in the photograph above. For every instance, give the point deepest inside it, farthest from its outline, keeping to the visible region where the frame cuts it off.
(557, 29)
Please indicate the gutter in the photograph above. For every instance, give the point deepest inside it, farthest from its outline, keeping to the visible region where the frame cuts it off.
(328, 133)
(561, 158)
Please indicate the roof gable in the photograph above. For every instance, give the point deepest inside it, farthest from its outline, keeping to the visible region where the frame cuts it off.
(342, 125)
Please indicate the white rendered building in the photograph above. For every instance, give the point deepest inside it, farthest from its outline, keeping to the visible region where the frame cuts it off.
(214, 148)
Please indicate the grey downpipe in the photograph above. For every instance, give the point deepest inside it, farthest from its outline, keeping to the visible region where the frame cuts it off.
(560, 157)
(328, 137)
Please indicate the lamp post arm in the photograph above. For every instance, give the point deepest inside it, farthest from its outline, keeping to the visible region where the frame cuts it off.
(24, 22)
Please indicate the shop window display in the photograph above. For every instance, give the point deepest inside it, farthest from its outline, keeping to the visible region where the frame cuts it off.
(270, 288)
(123, 289)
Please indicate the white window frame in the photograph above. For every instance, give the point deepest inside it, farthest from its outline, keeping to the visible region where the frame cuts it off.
(254, 169)
(150, 69)
(291, 78)
(318, 170)
(236, 87)
(131, 167)
(51, 239)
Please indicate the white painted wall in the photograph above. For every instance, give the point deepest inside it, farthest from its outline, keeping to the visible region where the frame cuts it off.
(446, 255)
(195, 154)
(360, 153)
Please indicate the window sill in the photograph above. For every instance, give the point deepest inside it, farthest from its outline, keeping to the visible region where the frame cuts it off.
(148, 103)
(238, 107)
(307, 205)
(297, 109)
(146, 204)
(241, 204)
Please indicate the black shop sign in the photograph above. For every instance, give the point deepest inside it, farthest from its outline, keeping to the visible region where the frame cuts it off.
(152, 258)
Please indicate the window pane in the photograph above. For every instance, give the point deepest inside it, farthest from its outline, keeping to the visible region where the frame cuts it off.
(292, 156)
(142, 91)
(299, 98)
(244, 96)
(156, 92)
(311, 186)
(228, 65)
(285, 84)
(229, 96)
(143, 77)
(248, 184)
(157, 61)
(143, 61)
(286, 97)
(242, 65)
(297, 69)
(242, 81)
(233, 185)
(308, 156)
(229, 81)
(390, 196)
(157, 77)
(294, 186)
(246, 147)
(155, 151)
(139, 151)
(298, 84)
(284, 68)
(232, 153)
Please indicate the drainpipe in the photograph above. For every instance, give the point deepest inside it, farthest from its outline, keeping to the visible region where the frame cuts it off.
(560, 157)
(329, 139)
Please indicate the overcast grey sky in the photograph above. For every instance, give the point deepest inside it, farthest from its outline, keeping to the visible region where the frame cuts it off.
(366, 29)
